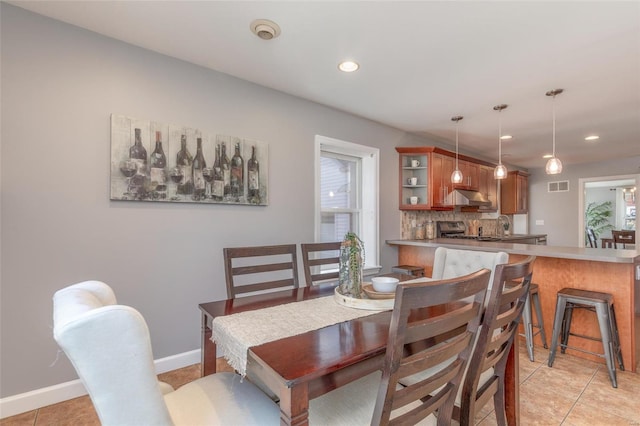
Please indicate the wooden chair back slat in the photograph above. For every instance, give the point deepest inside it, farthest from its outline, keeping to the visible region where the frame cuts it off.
(311, 261)
(264, 272)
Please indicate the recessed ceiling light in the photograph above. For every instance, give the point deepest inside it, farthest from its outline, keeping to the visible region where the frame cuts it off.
(592, 138)
(547, 156)
(265, 29)
(506, 137)
(348, 66)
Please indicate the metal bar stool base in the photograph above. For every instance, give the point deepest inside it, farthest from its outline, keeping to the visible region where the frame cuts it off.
(527, 321)
(600, 303)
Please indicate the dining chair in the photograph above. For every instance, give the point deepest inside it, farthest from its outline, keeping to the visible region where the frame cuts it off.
(485, 377)
(260, 268)
(444, 340)
(624, 238)
(318, 256)
(591, 238)
(450, 263)
(485, 373)
(110, 348)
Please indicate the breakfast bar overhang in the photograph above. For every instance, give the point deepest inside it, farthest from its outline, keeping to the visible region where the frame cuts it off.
(605, 270)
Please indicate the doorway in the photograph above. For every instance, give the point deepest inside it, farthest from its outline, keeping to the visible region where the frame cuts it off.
(620, 190)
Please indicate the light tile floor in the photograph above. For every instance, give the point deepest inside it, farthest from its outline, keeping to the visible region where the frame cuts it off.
(573, 392)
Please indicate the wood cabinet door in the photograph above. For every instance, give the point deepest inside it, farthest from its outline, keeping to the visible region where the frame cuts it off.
(514, 193)
(441, 186)
(488, 186)
(522, 193)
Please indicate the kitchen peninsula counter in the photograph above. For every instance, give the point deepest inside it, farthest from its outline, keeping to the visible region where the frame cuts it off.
(606, 270)
(577, 253)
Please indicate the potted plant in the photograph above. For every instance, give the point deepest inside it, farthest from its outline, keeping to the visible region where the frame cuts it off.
(597, 217)
(351, 265)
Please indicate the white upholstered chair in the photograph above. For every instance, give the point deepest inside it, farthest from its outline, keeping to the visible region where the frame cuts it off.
(451, 263)
(109, 346)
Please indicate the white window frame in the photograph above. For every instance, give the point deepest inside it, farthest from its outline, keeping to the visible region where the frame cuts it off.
(368, 222)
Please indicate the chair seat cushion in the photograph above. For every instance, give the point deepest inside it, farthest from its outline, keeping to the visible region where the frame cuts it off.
(353, 404)
(221, 399)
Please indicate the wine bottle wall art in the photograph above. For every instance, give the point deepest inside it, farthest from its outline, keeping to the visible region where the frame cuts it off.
(159, 162)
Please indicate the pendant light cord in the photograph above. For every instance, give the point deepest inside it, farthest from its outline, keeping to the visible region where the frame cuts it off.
(553, 109)
(499, 136)
(457, 145)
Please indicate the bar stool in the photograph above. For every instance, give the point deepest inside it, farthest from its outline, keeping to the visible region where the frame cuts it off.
(600, 303)
(527, 322)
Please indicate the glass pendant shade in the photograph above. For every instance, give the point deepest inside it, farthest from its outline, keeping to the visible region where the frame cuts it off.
(500, 172)
(554, 166)
(456, 176)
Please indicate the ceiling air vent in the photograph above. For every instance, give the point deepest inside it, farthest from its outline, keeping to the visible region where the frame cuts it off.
(559, 186)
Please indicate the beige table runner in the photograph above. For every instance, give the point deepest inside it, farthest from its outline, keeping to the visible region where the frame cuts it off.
(235, 334)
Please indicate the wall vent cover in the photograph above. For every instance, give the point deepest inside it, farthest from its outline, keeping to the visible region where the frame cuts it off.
(559, 186)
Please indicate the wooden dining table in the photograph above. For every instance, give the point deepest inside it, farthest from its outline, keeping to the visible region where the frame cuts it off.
(305, 366)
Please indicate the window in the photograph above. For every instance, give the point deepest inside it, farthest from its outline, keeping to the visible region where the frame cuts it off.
(346, 194)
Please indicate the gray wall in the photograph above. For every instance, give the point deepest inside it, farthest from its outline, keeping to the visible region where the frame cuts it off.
(560, 210)
(59, 86)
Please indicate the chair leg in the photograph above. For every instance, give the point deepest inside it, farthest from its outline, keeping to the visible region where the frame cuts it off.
(557, 325)
(616, 336)
(528, 326)
(566, 326)
(538, 308)
(607, 341)
(499, 403)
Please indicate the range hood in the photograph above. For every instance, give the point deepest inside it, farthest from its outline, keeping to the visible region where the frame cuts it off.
(464, 197)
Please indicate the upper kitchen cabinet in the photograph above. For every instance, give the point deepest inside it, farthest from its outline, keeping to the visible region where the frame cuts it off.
(514, 193)
(488, 187)
(414, 178)
(425, 179)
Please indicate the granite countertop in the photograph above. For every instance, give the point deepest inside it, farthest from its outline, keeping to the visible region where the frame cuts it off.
(577, 253)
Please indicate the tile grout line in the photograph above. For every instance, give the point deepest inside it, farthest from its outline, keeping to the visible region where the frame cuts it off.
(580, 395)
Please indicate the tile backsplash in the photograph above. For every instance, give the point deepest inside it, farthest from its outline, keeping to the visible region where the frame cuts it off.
(411, 219)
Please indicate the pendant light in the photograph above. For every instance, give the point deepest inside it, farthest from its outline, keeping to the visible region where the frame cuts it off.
(456, 176)
(500, 171)
(554, 165)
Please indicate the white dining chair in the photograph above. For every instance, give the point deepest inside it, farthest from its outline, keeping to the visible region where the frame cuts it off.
(110, 348)
(451, 263)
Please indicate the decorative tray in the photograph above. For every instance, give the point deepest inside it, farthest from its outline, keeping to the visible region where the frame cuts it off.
(369, 291)
(364, 303)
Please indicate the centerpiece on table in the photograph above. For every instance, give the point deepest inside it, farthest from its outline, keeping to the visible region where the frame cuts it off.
(351, 266)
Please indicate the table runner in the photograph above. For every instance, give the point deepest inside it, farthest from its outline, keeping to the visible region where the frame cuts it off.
(235, 334)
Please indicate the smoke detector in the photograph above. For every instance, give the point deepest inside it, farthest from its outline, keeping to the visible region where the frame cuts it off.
(265, 29)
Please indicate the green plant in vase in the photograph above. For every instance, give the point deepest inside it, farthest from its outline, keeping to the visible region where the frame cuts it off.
(351, 265)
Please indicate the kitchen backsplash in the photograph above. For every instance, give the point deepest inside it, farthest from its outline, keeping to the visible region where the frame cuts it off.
(411, 219)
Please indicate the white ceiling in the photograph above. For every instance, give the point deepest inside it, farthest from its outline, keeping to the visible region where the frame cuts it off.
(421, 63)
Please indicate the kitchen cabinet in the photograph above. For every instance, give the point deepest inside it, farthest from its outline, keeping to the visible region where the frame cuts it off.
(488, 186)
(470, 175)
(514, 193)
(414, 167)
(441, 186)
(432, 167)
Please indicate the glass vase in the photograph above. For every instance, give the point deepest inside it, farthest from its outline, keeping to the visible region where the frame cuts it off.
(351, 266)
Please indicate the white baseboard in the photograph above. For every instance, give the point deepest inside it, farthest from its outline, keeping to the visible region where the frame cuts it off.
(21, 403)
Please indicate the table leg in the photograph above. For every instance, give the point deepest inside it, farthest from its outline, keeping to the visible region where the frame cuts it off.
(207, 350)
(512, 386)
(294, 405)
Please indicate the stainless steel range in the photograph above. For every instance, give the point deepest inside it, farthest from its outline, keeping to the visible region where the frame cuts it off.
(457, 229)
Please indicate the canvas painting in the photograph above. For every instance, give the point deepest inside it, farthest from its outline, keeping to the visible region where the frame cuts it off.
(153, 161)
